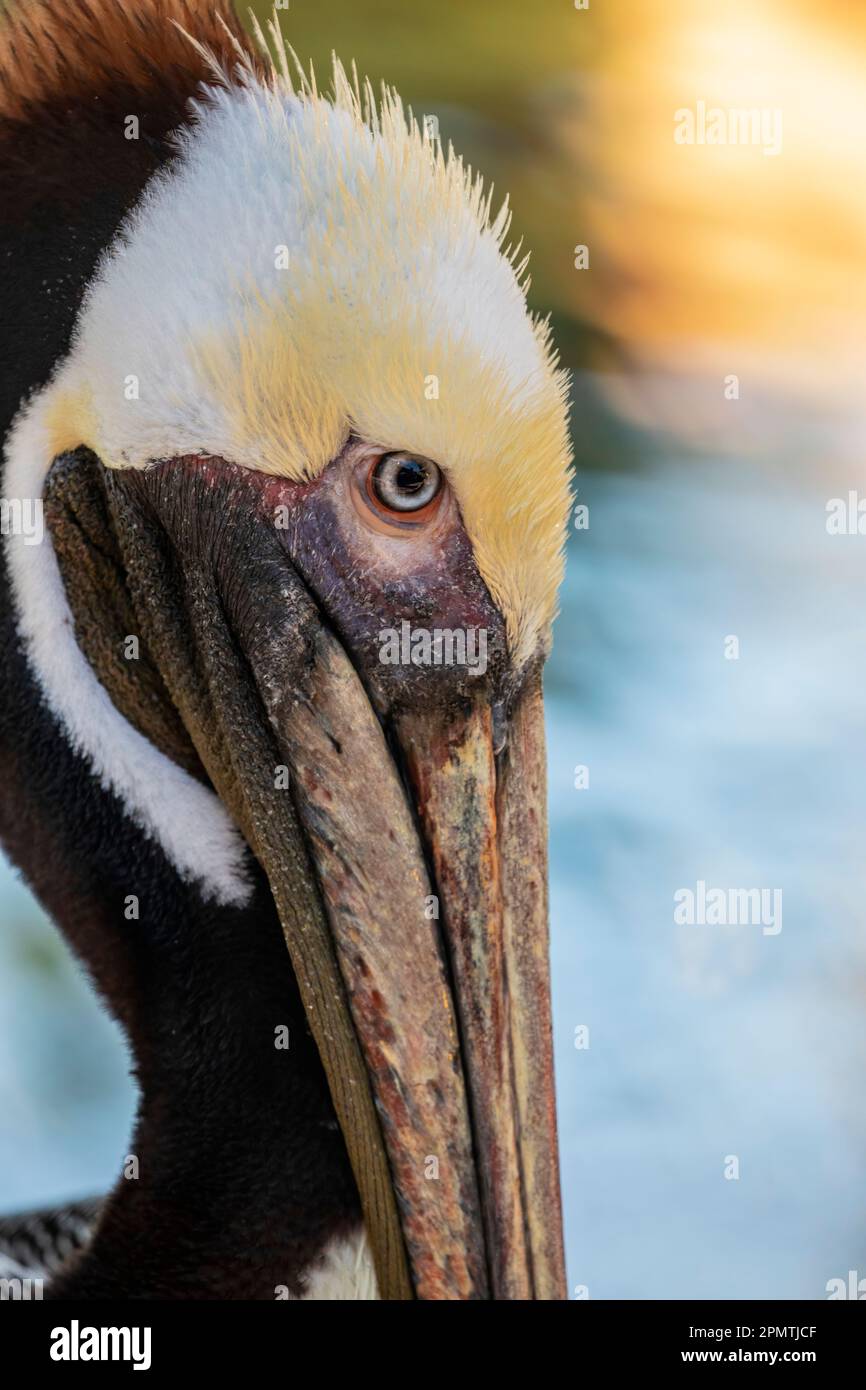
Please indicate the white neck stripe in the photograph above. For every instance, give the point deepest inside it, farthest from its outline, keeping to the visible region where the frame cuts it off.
(187, 819)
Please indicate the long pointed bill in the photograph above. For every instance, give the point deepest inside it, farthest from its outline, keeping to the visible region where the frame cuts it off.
(484, 829)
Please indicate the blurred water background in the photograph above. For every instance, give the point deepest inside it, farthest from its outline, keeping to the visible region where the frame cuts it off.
(707, 519)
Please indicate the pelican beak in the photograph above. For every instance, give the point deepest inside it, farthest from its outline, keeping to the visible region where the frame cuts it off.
(460, 1057)
(405, 852)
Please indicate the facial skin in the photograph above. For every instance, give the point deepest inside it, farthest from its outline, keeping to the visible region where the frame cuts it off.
(374, 570)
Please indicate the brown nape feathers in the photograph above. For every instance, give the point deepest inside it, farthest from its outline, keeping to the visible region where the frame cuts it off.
(71, 75)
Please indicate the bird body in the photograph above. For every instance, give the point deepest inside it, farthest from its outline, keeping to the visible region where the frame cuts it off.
(272, 376)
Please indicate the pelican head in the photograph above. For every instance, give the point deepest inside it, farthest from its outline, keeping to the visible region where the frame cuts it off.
(305, 470)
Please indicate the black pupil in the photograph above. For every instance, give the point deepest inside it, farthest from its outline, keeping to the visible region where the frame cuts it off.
(411, 476)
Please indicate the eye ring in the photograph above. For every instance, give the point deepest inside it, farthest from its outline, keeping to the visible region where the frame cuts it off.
(405, 487)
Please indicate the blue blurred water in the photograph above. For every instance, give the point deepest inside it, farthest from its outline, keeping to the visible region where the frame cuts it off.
(710, 1041)
(704, 1042)
(66, 1100)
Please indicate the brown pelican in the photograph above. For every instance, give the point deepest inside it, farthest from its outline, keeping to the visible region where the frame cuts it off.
(285, 492)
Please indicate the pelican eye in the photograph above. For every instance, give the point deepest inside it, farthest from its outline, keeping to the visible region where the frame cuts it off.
(404, 482)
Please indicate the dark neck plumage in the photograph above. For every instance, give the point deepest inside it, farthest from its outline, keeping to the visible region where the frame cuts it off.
(236, 1177)
(240, 1175)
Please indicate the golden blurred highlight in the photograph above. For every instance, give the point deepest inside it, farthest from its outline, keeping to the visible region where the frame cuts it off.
(724, 258)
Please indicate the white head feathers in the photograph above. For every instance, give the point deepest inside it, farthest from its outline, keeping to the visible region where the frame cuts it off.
(311, 266)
